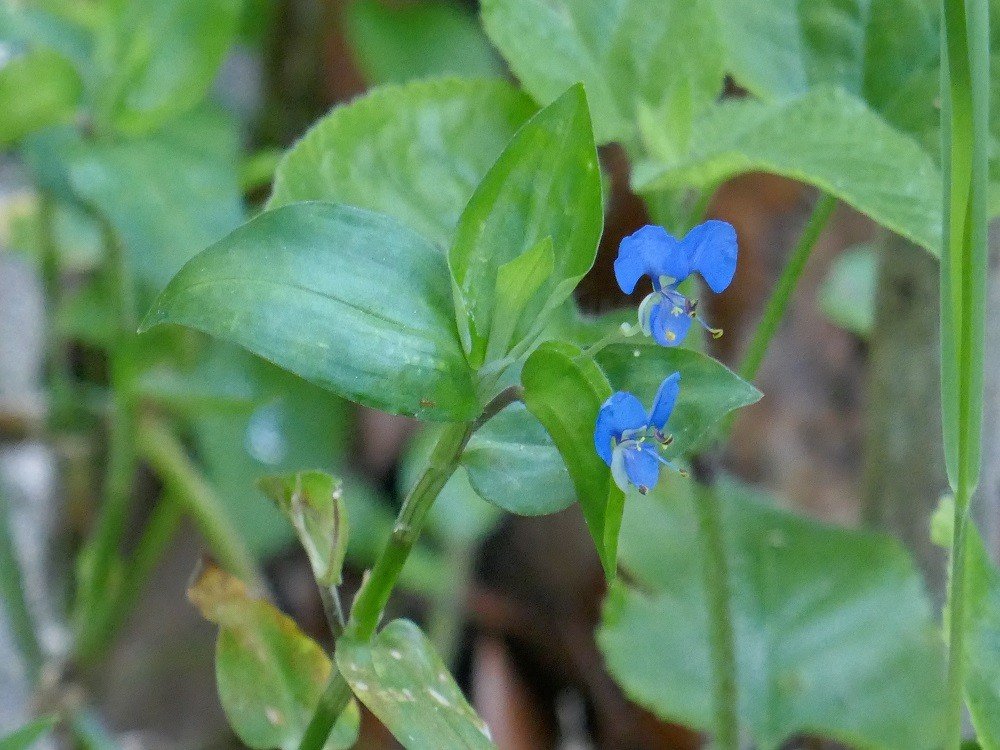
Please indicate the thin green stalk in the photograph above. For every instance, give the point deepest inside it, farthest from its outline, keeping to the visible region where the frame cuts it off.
(366, 611)
(721, 638)
(14, 601)
(374, 593)
(100, 562)
(166, 455)
(331, 705)
(965, 91)
(777, 305)
(159, 530)
(59, 373)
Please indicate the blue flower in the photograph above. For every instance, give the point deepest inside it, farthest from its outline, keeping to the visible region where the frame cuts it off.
(631, 441)
(709, 249)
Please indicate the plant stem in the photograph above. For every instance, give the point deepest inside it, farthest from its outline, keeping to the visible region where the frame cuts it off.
(956, 618)
(366, 611)
(777, 305)
(375, 591)
(331, 705)
(721, 638)
(965, 89)
(13, 596)
(160, 446)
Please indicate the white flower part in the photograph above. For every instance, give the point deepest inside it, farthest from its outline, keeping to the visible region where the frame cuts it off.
(646, 312)
(618, 472)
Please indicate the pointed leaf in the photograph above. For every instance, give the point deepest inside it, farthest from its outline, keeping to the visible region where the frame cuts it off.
(401, 679)
(270, 675)
(826, 138)
(313, 501)
(546, 184)
(564, 389)
(414, 152)
(347, 299)
(709, 390)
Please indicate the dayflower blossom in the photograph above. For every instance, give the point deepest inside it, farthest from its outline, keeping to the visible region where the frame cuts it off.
(709, 249)
(631, 441)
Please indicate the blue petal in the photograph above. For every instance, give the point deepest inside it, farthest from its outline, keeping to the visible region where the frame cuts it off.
(669, 324)
(621, 412)
(711, 250)
(664, 402)
(642, 466)
(650, 251)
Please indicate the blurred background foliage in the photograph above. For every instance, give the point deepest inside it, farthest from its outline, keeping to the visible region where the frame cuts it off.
(146, 130)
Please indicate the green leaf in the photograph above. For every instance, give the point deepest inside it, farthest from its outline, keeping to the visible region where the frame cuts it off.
(38, 89)
(510, 463)
(545, 187)
(414, 152)
(313, 501)
(847, 295)
(517, 282)
(564, 389)
(709, 390)
(270, 675)
(630, 55)
(513, 463)
(347, 299)
(160, 57)
(26, 736)
(834, 634)
(165, 201)
(401, 679)
(826, 138)
(395, 44)
(874, 49)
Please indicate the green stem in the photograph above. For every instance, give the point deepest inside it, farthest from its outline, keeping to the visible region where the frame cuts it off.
(166, 455)
(721, 638)
(100, 563)
(965, 139)
(366, 611)
(13, 596)
(956, 618)
(59, 373)
(777, 305)
(160, 528)
(331, 705)
(374, 593)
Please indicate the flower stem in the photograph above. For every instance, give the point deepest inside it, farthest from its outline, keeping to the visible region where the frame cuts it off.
(777, 305)
(721, 638)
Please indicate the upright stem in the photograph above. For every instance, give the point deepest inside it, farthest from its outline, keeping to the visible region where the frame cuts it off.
(12, 595)
(721, 638)
(167, 457)
(777, 305)
(375, 591)
(380, 581)
(965, 140)
(956, 618)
